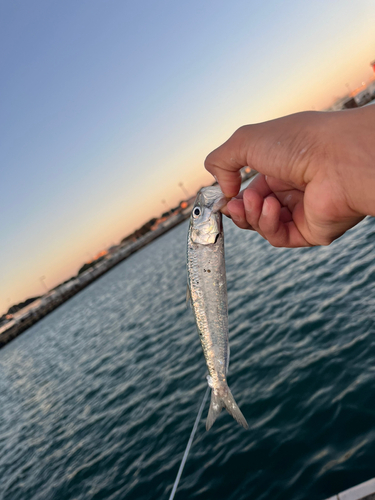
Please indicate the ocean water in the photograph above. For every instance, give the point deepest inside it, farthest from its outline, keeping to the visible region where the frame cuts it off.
(98, 399)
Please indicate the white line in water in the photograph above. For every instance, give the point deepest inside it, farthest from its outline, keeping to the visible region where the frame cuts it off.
(183, 461)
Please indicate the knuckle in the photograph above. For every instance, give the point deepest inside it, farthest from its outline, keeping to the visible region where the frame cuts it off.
(275, 242)
(269, 227)
(253, 222)
(208, 163)
(242, 131)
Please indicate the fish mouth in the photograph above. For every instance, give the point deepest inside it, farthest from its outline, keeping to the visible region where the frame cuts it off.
(212, 197)
(216, 238)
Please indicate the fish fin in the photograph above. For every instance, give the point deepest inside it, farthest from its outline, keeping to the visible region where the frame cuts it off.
(188, 296)
(227, 401)
(216, 406)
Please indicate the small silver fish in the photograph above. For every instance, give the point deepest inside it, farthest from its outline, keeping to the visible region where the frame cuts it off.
(207, 290)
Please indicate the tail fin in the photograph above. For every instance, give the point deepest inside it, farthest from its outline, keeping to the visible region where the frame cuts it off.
(228, 402)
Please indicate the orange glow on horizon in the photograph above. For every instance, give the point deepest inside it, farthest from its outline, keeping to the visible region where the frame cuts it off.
(97, 256)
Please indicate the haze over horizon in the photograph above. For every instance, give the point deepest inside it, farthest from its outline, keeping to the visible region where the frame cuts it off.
(106, 107)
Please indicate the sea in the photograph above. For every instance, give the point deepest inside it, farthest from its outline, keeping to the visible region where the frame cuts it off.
(98, 399)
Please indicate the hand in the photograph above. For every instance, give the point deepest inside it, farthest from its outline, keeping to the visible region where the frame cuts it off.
(316, 175)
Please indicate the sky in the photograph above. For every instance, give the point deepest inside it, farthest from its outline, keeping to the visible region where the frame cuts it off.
(106, 106)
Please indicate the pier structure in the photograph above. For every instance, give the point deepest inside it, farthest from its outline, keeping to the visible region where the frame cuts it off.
(363, 491)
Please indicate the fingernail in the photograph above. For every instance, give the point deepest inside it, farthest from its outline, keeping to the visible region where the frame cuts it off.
(265, 208)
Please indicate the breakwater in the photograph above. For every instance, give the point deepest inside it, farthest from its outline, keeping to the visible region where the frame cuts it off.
(49, 302)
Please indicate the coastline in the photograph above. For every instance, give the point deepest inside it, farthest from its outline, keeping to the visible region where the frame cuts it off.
(52, 300)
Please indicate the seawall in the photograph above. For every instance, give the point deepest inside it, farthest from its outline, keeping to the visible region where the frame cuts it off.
(48, 303)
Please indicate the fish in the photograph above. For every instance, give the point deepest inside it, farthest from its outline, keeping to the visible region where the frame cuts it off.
(207, 292)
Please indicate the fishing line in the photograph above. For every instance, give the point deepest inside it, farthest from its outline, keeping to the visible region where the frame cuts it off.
(188, 446)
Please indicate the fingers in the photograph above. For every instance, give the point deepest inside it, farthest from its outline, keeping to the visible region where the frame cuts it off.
(260, 185)
(225, 163)
(275, 223)
(283, 148)
(237, 213)
(259, 208)
(288, 195)
(285, 215)
(235, 208)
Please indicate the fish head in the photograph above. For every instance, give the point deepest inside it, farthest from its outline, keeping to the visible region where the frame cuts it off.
(205, 220)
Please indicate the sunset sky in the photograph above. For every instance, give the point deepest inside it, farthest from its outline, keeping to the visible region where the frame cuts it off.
(105, 106)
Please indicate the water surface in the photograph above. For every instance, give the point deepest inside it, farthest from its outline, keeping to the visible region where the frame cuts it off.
(98, 399)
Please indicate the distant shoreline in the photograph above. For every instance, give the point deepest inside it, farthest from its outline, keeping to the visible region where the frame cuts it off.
(55, 298)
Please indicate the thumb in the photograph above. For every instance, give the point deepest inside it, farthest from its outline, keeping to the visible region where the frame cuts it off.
(280, 148)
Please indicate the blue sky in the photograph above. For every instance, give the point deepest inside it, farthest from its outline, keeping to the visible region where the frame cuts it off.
(106, 106)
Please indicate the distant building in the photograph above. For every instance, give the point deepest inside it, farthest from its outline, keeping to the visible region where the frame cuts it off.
(245, 173)
(350, 103)
(113, 249)
(158, 223)
(357, 98)
(28, 308)
(363, 98)
(371, 89)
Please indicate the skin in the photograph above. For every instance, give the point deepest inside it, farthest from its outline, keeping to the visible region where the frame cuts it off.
(316, 175)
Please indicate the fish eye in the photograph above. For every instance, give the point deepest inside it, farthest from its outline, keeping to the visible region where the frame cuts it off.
(196, 212)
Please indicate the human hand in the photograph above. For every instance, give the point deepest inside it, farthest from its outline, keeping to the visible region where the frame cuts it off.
(316, 175)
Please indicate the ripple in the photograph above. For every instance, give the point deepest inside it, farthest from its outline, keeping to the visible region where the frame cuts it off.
(98, 399)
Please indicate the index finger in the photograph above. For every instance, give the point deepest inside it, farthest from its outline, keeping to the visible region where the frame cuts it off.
(285, 148)
(225, 163)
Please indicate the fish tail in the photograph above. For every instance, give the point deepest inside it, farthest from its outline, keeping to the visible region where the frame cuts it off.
(226, 400)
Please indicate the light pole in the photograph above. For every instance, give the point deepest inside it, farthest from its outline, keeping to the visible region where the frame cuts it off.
(166, 205)
(41, 279)
(181, 184)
